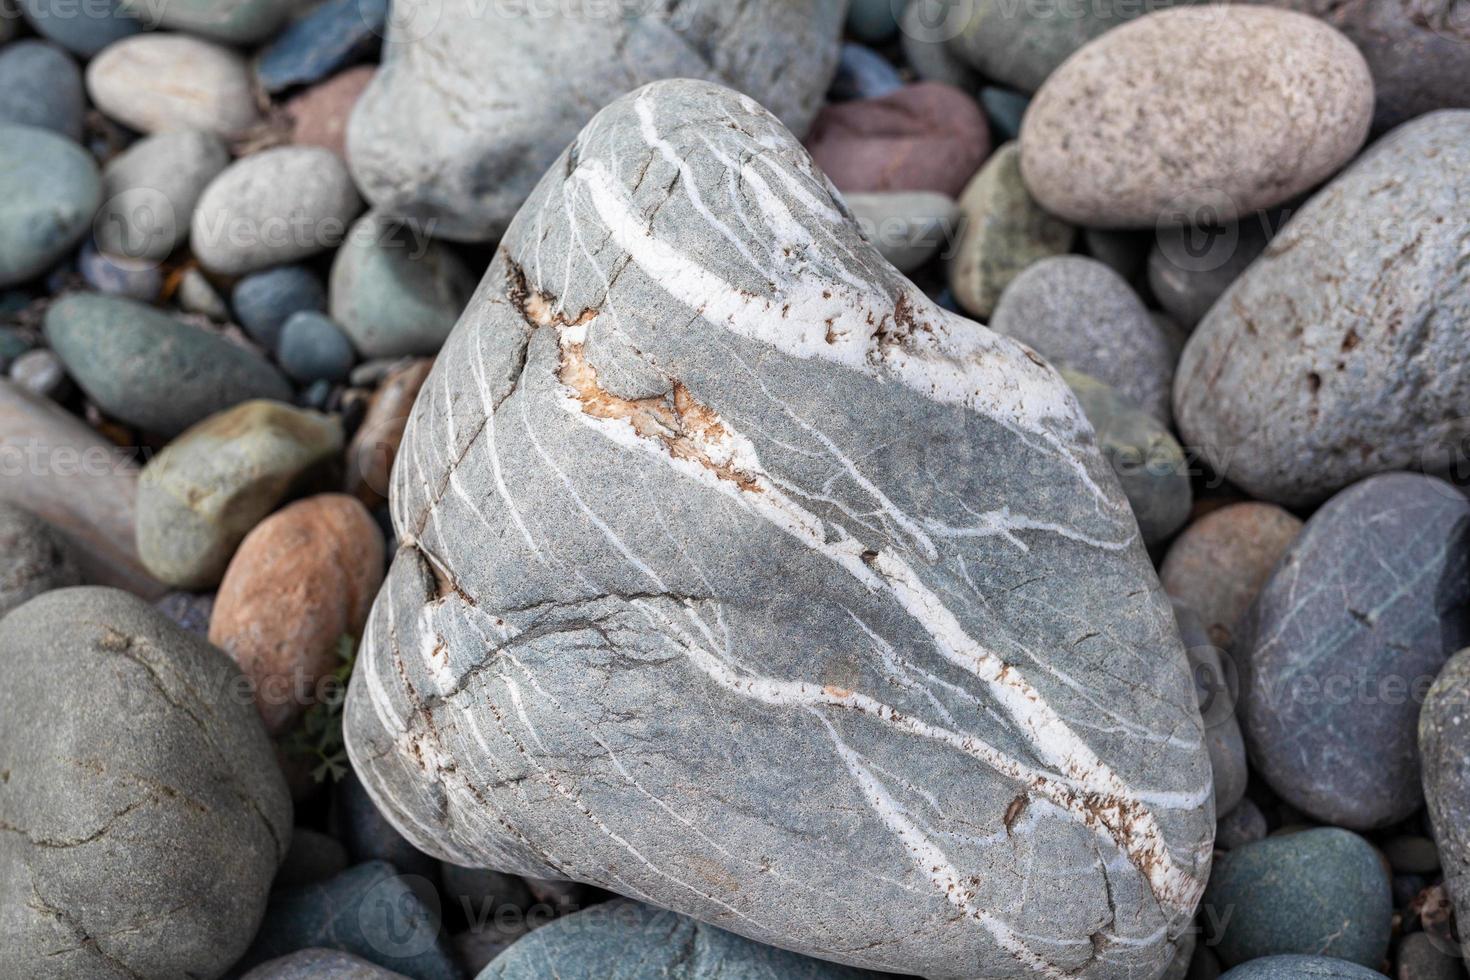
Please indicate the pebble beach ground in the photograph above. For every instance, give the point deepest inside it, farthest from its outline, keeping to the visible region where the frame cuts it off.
(773, 490)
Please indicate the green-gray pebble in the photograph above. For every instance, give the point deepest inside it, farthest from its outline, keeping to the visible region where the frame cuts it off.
(199, 497)
(49, 191)
(150, 370)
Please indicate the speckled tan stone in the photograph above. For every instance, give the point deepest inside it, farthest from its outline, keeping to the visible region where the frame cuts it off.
(304, 577)
(1221, 561)
(1217, 110)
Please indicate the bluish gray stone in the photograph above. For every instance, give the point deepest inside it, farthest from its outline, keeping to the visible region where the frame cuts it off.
(370, 837)
(1336, 355)
(626, 940)
(264, 301)
(1361, 613)
(1217, 699)
(873, 21)
(1444, 743)
(665, 616)
(1080, 314)
(1322, 891)
(863, 73)
(40, 372)
(49, 190)
(313, 348)
(150, 370)
(150, 191)
(114, 275)
(37, 558)
(1191, 265)
(144, 810)
(1004, 108)
(368, 911)
(475, 100)
(1301, 968)
(1244, 824)
(320, 964)
(317, 44)
(191, 611)
(81, 28)
(237, 22)
(1422, 957)
(396, 292)
(40, 85)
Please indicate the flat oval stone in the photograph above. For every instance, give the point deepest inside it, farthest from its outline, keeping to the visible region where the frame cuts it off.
(150, 191)
(396, 292)
(1246, 108)
(1301, 968)
(238, 22)
(37, 558)
(627, 940)
(158, 82)
(1322, 891)
(78, 482)
(1444, 747)
(40, 85)
(1004, 232)
(49, 190)
(924, 137)
(200, 496)
(313, 348)
(1148, 462)
(644, 473)
(147, 809)
(524, 80)
(301, 580)
(1081, 315)
(1021, 44)
(150, 370)
(320, 41)
(1220, 563)
(264, 301)
(1335, 355)
(82, 28)
(273, 207)
(1361, 613)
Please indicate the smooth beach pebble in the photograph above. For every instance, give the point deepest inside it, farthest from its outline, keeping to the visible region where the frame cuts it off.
(863, 73)
(264, 301)
(907, 227)
(322, 40)
(1301, 968)
(321, 964)
(1190, 266)
(150, 190)
(237, 22)
(82, 28)
(1322, 891)
(1246, 108)
(396, 292)
(158, 82)
(300, 581)
(40, 85)
(152, 370)
(49, 192)
(375, 444)
(313, 348)
(273, 207)
(119, 275)
(1444, 746)
(319, 115)
(200, 496)
(1221, 561)
(1004, 232)
(153, 811)
(923, 137)
(1337, 354)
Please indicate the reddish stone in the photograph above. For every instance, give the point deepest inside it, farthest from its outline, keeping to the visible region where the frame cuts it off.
(375, 446)
(319, 115)
(925, 137)
(303, 578)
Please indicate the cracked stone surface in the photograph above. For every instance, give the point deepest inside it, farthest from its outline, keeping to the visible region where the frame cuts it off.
(475, 100)
(1359, 616)
(1336, 355)
(739, 578)
(142, 814)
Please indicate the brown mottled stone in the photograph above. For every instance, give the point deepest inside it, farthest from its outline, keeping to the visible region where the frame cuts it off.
(375, 446)
(1218, 565)
(925, 137)
(302, 579)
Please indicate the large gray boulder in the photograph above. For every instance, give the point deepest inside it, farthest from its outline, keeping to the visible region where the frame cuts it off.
(142, 814)
(475, 99)
(739, 578)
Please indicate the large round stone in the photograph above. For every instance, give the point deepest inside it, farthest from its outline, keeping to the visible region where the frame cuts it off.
(1298, 967)
(647, 473)
(475, 100)
(1337, 353)
(151, 189)
(1359, 616)
(144, 813)
(1227, 108)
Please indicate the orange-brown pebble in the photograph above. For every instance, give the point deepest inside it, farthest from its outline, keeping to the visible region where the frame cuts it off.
(375, 446)
(303, 578)
(1219, 563)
